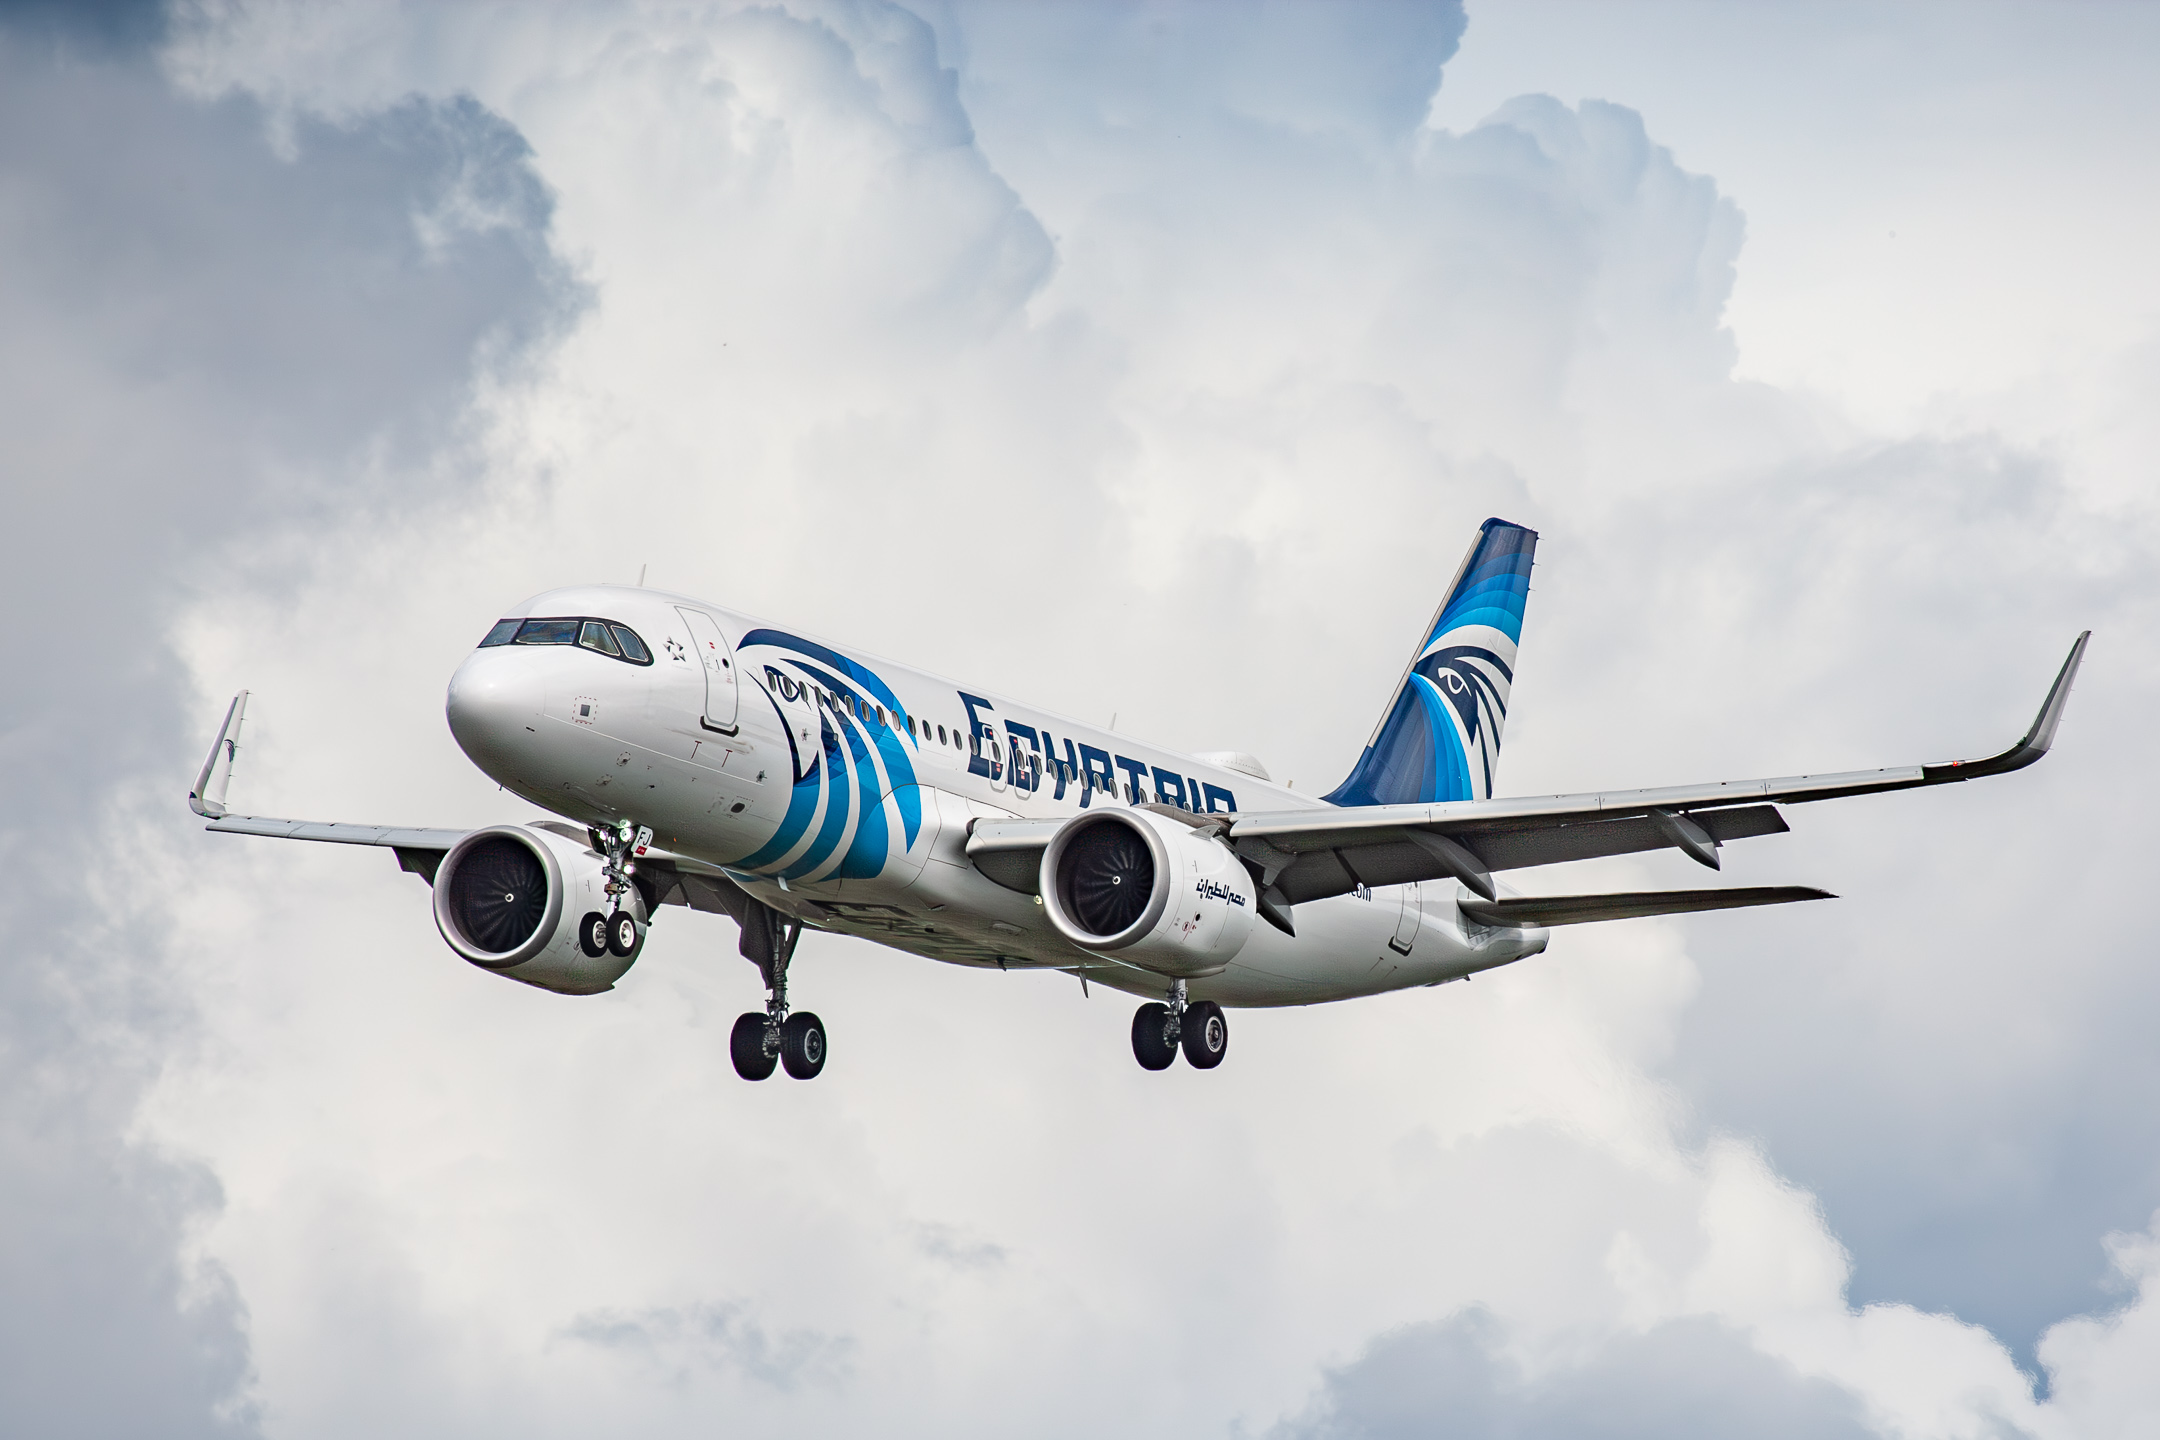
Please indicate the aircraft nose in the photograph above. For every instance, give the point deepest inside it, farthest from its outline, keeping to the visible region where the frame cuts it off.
(492, 706)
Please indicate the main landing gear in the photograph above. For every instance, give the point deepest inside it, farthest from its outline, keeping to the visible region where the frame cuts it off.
(760, 1042)
(617, 932)
(1200, 1028)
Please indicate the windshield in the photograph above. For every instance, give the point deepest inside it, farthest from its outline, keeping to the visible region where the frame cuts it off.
(611, 638)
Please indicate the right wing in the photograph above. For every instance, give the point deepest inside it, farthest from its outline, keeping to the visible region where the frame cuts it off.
(674, 879)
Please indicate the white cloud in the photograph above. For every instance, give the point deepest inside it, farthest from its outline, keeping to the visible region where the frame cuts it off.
(200, 344)
(1174, 399)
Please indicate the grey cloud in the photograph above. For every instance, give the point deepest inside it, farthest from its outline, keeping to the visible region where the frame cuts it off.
(96, 27)
(1789, 614)
(719, 1337)
(952, 1246)
(1730, 585)
(1684, 1379)
(200, 342)
(1949, 1056)
(1370, 66)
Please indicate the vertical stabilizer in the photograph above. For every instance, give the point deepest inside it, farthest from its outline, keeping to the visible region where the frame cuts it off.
(1439, 738)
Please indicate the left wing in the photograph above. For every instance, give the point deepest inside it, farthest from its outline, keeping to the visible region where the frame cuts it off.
(1307, 854)
(1300, 855)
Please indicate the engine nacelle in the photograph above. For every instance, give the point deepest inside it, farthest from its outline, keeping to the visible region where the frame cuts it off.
(509, 899)
(1149, 890)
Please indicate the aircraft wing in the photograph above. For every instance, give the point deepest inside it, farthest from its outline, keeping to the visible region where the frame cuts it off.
(1307, 854)
(672, 879)
(1300, 855)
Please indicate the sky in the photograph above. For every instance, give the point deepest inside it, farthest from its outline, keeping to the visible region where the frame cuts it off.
(1148, 360)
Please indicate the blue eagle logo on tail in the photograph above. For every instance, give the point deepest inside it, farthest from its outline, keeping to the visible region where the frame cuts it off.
(1440, 739)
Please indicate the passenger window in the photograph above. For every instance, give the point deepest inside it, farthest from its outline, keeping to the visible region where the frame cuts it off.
(504, 632)
(941, 735)
(548, 632)
(632, 647)
(594, 636)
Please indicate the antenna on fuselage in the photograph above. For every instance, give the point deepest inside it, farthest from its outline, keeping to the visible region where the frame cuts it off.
(641, 575)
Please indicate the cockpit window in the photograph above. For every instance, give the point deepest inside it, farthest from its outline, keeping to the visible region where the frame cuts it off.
(594, 636)
(548, 632)
(610, 638)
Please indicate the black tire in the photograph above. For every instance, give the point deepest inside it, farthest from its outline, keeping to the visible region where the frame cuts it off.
(746, 1047)
(1151, 1043)
(623, 934)
(802, 1045)
(592, 932)
(1207, 1035)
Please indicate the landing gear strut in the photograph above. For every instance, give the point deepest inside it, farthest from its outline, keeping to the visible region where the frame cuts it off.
(759, 1042)
(1160, 1030)
(618, 932)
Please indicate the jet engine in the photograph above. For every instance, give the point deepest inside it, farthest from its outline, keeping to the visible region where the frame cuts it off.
(512, 899)
(1149, 890)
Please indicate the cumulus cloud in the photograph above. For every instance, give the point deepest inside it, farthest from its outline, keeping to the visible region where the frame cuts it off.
(1117, 362)
(1681, 1379)
(718, 1337)
(203, 342)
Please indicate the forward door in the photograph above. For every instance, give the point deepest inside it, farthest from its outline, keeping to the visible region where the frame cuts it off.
(717, 659)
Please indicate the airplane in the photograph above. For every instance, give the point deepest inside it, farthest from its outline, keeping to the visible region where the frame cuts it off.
(698, 757)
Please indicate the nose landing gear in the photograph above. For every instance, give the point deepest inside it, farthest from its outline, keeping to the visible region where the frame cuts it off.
(760, 1042)
(618, 932)
(1160, 1030)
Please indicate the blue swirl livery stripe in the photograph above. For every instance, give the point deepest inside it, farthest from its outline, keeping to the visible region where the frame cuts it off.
(866, 852)
(1441, 738)
(849, 780)
(802, 803)
(1495, 583)
(834, 825)
(898, 769)
(832, 659)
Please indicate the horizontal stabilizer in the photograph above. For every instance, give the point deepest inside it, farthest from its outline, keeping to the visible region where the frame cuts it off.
(1519, 911)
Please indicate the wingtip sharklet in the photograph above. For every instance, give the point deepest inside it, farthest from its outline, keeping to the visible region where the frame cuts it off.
(207, 799)
(2036, 741)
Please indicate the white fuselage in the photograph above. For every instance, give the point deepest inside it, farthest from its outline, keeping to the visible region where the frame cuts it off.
(814, 773)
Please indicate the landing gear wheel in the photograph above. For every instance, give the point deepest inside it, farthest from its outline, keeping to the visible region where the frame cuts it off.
(746, 1047)
(623, 934)
(1207, 1035)
(802, 1045)
(592, 934)
(1151, 1042)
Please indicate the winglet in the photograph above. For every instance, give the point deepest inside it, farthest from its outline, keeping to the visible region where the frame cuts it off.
(2036, 741)
(207, 799)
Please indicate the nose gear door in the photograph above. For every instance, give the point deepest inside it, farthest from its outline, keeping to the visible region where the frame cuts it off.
(718, 661)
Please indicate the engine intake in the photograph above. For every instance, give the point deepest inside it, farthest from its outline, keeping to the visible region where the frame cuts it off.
(1148, 889)
(509, 898)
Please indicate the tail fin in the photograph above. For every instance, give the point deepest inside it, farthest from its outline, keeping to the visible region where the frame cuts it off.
(1440, 738)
